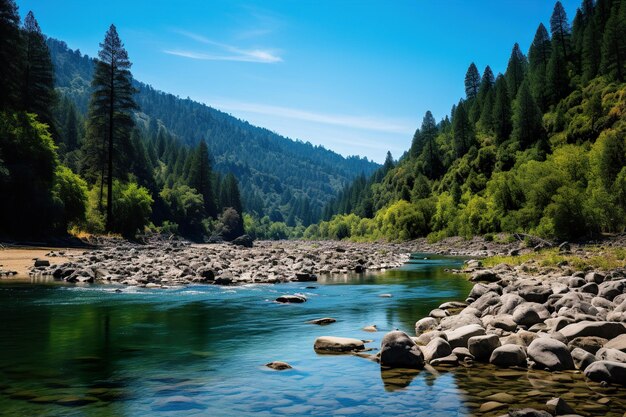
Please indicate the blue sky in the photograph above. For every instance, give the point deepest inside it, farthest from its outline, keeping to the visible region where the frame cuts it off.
(354, 76)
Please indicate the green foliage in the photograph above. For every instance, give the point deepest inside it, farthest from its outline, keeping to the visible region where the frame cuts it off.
(132, 206)
(186, 210)
(70, 191)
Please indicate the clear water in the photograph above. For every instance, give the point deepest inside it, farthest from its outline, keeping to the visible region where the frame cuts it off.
(201, 350)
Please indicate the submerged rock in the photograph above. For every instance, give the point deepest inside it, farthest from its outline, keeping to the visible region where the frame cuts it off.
(323, 321)
(508, 355)
(332, 344)
(278, 365)
(607, 371)
(398, 350)
(286, 299)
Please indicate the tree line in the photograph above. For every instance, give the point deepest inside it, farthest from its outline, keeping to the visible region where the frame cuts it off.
(107, 171)
(539, 149)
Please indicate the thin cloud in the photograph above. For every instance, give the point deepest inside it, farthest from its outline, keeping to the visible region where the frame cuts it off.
(227, 53)
(354, 122)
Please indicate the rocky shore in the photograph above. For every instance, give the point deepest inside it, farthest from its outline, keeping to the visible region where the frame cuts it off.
(169, 263)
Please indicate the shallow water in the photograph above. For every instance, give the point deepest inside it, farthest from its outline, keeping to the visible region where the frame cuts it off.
(200, 350)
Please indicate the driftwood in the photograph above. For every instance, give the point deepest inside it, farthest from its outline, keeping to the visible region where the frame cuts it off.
(534, 239)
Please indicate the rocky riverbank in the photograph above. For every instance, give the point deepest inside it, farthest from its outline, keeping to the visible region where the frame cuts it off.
(167, 263)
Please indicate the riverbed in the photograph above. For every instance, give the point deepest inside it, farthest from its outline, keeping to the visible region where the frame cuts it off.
(201, 349)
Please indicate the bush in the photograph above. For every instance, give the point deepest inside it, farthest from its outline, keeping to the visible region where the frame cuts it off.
(132, 206)
(70, 191)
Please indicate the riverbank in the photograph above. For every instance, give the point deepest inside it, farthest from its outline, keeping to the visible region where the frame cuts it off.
(166, 263)
(17, 262)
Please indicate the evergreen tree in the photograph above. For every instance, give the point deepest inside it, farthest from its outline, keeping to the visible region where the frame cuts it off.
(527, 119)
(463, 132)
(486, 115)
(614, 44)
(538, 57)
(557, 77)
(229, 193)
(516, 70)
(472, 82)
(37, 95)
(502, 111)
(9, 53)
(591, 50)
(201, 178)
(110, 115)
(70, 129)
(561, 31)
(486, 83)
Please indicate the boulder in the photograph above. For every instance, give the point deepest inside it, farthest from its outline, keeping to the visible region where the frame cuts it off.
(460, 336)
(460, 320)
(332, 344)
(582, 358)
(436, 348)
(618, 343)
(305, 277)
(528, 314)
(244, 240)
(323, 321)
(508, 355)
(502, 321)
(425, 338)
(426, 324)
(482, 346)
(450, 360)
(286, 299)
(611, 289)
(487, 299)
(509, 302)
(278, 365)
(603, 329)
(529, 412)
(594, 277)
(535, 294)
(41, 262)
(438, 313)
(484, 276)
(398, 350)
(550, 354)
(607, 371)
(558, 407)
(614, 355)
(590, 344)
(463, 354)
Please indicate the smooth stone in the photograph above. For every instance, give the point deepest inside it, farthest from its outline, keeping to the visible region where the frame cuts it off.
(618, 343)
(590, 344)
(323, 321)
(459, 337)
(334, 344)
(603, 329)
(550, 354)
(287, 299)
(484, 276)
(435, 349)
(529, 412)
(609, 354)
(607, 371)
(528, 314)
(450, 360)
(371, 329)
(482, 346)
(508, 355)
(582, 359)
(491, 406)
(463, 354)
(398, 350)
(426, 324)
(278, 365)
(559, 407)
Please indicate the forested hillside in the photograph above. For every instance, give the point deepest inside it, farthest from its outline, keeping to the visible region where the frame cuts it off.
(279, 177)
(540, 148)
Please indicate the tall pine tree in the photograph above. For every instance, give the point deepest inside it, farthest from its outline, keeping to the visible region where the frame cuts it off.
(614, 44)
(110, 116)
(472, 82)
(538, 57)
(516, 70)
(9, 54)
(201, 178)
(560, 28)
(502, 111)
(463, 138)
(527, 121)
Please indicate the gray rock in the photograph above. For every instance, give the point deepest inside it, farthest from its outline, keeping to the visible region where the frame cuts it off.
(603, 329)
(509, 302)
(460, 320)
(460, 336)
(508, 355)
(323, 321)
(426, 324)
(591, 288)
(425, 338)
(332, 344)
(607, 371)
(550, 354)
(41, 262)
(559, 407)
(244, 240)
(613, 355)
(535, 294)
(529, 412)
(488, 299)
(582, 358)
(463, 354)
(527, 314)
(611, 289)
(436, 348)
(484, 276)
(594, 277)
(450, 360)
(286, 299)
(398, 350)
(482, 346)
(278, 365)
(589, 344)
(618, 343)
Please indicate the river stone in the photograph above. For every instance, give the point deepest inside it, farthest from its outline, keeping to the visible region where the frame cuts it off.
(491, 406)
(559, 407)
(488, 299)
(278, 365)
(398, 350)
(550, 354)
(459, 337)
(528, 314)
(509, 302)
(337, 344)
(590, 344)
(371, 329)
(425, 338)
(611, 289)
(323, 321)
(529, 412)
(614, 355)
(590, 288)
(508, 355)
(450, 360)
(607, 371)
(458, 321)
(582, 358)
(485, 276)
(41, 262)
(436, 348)
(618, 343)
(502, 321)
(535, 294)
(463, 354)
(424, 325)
(482, 346)
(285, 299)
(603, 329)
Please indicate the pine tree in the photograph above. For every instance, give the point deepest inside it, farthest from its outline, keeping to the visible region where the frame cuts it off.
(591, 50)
(463, 138)
(70, 129)
(538, 57)
(229, 193)
(486, 83)
(486, 115)
(9, 54)
(201, 178)
(502, 111)
(527, 119)
(516, 70)
(472, 81)
(37, 95)
(614, 44)
(110, 116)
(561, 31)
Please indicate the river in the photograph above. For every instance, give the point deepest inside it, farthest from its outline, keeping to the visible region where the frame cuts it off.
(200, 350)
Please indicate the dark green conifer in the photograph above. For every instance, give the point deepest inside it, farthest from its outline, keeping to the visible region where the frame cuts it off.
(502, 111)
(516, 70)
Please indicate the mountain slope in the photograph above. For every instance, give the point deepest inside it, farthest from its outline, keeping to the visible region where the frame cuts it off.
(275, 173)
